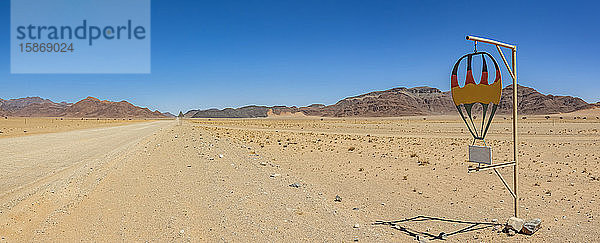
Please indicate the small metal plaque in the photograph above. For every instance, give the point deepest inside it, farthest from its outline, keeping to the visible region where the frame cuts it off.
(480, 154)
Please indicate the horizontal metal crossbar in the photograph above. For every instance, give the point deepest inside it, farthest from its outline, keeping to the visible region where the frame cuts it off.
(493, 42)
(480, 168)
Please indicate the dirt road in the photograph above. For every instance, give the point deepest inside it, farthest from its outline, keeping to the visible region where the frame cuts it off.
(42, 168)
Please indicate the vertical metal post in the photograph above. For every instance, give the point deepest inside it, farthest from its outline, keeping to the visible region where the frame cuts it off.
(515, 136)
(513, 73)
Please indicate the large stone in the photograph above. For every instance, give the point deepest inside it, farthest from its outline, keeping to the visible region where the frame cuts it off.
(531, 226)
(515, 224)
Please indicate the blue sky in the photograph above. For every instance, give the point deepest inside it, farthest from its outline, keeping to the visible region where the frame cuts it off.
(235, 53)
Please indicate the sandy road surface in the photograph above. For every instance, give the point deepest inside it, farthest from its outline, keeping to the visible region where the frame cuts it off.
(31, 166)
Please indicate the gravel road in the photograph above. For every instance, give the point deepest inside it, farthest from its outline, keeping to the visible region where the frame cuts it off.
(33, 166)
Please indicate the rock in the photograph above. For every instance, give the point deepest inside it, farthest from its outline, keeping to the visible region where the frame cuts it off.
(515, 224)
(220, 156)
(420, 238)
(275, 175)
(356, 226)
(511, 232)
(337, 198)
(296, 185)
(531, 226)
(263, 163)
(443, 236)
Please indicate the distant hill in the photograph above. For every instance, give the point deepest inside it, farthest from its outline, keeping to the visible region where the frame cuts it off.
(406, 102)
(242, 112)
(389, 103)
(88, 107)
(532, 102)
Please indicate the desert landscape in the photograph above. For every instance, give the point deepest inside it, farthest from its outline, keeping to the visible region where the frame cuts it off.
(297, 179)
(386, 166)
(299, 121)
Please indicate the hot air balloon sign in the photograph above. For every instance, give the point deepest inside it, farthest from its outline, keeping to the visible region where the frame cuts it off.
(484, 93)
(484, 98)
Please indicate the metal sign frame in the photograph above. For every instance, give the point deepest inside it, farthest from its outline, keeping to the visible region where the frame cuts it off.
(513, 73)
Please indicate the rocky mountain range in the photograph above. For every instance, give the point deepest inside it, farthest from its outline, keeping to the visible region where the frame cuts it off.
(388, 103)
(88, 107)
(406, 102)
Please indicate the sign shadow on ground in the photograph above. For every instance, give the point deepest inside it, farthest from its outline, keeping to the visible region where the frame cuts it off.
(401, 225)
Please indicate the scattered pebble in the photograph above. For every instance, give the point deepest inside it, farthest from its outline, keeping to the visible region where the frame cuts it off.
(420, 238)
(337, 198)
(296, 185)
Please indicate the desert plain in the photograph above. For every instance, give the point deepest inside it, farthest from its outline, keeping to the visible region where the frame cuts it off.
(296, 179)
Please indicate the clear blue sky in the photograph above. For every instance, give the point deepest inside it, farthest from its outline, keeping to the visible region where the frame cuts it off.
(235, 53)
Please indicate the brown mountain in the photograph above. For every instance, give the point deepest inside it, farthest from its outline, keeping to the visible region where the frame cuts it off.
(88, 107)
(18, 104)
(532, 102)
(252, 111)
(393, 102)
(406, 102)
(42, 110)
(92, 107)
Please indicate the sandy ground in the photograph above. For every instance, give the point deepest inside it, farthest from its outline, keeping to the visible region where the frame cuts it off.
(23, 126)
(230, 180)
